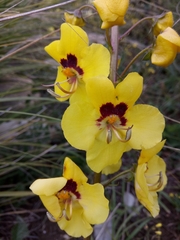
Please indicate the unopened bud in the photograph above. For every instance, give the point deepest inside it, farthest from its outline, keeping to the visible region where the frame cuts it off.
(74, 18)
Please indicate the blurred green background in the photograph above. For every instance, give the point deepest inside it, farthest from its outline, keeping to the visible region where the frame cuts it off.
(31, 140)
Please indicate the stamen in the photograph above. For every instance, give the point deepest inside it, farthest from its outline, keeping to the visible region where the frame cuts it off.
(51, 218)
(68, 203)
(109, 135)
(72, 89)
(48, 85)
(128, 133)
(55, 94)
(65, 91)
(157, 185)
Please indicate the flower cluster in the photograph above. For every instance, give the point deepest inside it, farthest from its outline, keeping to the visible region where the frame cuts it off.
(105, 120)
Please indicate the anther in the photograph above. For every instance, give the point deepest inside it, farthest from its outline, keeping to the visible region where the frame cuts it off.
(51, 218)
(157, 185)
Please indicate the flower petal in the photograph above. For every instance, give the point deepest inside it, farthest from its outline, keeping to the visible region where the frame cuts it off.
(78, 225)
(94, 204)
(111, 12)
(147, 154)
(101, 154)
(52, 205)
(165, 21)
(72, 171)
(164, 52)
(148, 124)
(171, 35)
(96, 62)
(100, 91)
(78, 124)
(62, 79)
(155, 166)
(103, 10)
(77, 42)
(49, 186)
(112, 168)
(148, 199)
(53, 50)
(117, 6)
(129, 90)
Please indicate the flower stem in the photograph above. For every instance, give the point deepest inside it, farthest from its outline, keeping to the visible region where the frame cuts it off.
(97, 177)
(87, 6)
(133, 60)
(114, 54)
(137, 23)
(119, 175)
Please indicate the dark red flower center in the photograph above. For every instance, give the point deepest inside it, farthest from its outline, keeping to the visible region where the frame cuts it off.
(70, 187)
(109, 109)
(71, 63)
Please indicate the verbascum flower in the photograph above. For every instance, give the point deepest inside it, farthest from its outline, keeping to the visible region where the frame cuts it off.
(107, 123)
(150, 178)
(163, 22)
(111, 12)
(78, 61)
(166, 47)
(71, 201)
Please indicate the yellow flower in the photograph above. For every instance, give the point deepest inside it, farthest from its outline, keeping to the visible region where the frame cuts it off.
(150, 178)
(165, 21)
(78, 61)
(107, 123)
(71, 201)
(111, 12)
(166, 48)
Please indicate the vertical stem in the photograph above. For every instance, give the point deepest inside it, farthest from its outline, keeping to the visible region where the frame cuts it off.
(97, 177)
(114, 54)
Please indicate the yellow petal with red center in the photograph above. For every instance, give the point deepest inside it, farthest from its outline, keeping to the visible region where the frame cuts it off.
(165, 21)
(48, 187)
(101, 155)
(165, 50)
(157, 165)
(100, 91)
(79, 126)
(147, 199)
(52, 205)
(76, 44)
(96, 61)
(148, 124)
(129, 90)
(78, 225)
(147, 154)
(94, 204)
(72, 171)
